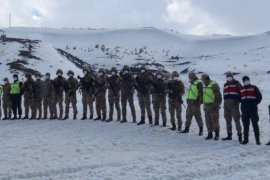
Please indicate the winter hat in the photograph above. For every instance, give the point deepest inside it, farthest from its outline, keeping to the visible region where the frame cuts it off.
(245, 78)
(229, 74)
(15, 75)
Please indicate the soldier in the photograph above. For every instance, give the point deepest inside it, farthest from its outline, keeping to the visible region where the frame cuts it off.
(194, 101)
(231, 95)
(158, 92)
(250, 98)
(16, 97)
(87, 88)
(71, 97)
(28, 89)
(176, 90)
(212, 100)
(143, 84)
(38, 94)
(127, 91)
(48, 97)
(100, 94)
(6, 99)
(1, 92)
(60, 86)
(114, 94)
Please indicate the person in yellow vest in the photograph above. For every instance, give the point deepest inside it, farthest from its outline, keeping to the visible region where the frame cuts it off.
(194, 101)
(16, 97)
(212, 100)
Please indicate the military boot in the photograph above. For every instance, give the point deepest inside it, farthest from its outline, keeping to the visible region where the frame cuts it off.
(150, 120)
(97, 118)
(65, 118)
(124, 120)
(164, 124)
(240, 137)
(51, 118)
(110, 119)
(45, 117)
(20, 117)
(201, 131)
(142, 121)
(25, 117)
(209, 136)
(134, 120)
(228, 138)
(91, 117)
(268, 144)
(14, 118)
(173, 128)
(104, 117)
(257, 138)
(216, 135)
(179, 129)
(186, 130)
(84, 117)
(118, 117)
(75, 117)
(5, 118)
(245, 140)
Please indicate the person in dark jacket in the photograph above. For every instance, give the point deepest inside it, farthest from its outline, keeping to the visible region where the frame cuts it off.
(250, 98)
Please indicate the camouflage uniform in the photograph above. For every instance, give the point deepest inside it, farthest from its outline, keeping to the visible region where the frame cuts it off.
(127, 91)
(231, 94)
(194, 101)
(212, 104)
(114, 94)
(48, 97)
(38, 95)
(158, 92)
(176, 91)
(28, 94)
(59, 85)
(100, 94)
(87, 88)
(71, 97)
(143, 85)
(6, 99)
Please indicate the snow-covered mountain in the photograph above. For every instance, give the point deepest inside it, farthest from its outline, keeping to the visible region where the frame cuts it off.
(95, 150)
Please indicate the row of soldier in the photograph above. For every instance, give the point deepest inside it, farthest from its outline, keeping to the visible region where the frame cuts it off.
(50, 94)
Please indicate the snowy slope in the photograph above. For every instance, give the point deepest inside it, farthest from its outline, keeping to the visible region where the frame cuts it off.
(95, 150)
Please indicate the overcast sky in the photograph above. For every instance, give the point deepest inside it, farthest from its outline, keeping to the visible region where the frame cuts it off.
(186, 16)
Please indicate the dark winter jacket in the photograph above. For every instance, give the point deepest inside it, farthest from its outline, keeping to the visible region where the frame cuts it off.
(251, 96)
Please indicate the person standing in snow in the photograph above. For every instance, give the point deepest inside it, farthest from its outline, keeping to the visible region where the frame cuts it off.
(127, 93)
(100, 94)
(194, 101)
(48, 97)
(6, 99)
(114, 94)
(212, 100)
(38, 95)
(16, 97)
(143, 83)
(60, 86)
(28, 89)
(231, 96)
(176, 90)
(159, 93)
(250, 98)
(86, 86)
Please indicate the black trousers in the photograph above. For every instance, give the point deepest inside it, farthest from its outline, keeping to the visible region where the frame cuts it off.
(16, 100)
(254, 118)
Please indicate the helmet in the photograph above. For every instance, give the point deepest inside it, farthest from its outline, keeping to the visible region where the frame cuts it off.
(28, 75)
(101, 70)
(175, 74)
(59, 71)
(47, 74)
(5, 79)
(114, 69)
(229, 74)
(126, 67)
(38, 74)
(70, 72)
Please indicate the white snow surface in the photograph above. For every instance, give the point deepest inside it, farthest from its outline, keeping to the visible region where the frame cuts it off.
(95, 150)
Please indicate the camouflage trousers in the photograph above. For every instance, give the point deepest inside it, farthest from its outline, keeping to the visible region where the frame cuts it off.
(59, 100)
(124, 99)
(48, 104)
(101, 107)
(231, 111)
(71, 99)
(7, 108)
(114, 101)
(37, 108)
(145, 105)
(87, 100)
(160, 108)
(211, 117)
(194, 110)
(29, 103)
(175, 108)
